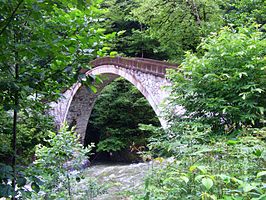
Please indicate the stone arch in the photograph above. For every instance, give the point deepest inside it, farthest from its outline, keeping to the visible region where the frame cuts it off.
(82, 100)
(118, 71)
(147, 75)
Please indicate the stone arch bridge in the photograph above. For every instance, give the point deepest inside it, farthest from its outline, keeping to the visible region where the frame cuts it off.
(147, 75)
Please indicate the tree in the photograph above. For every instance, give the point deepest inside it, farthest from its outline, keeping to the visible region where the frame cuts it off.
(226, 87)
(32, 130)
(179, 25)
(243, 12)
(59, 165)
(133, 39)
(44, 44)
(116, 128)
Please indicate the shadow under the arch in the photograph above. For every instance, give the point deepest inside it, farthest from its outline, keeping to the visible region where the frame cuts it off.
(128, 116)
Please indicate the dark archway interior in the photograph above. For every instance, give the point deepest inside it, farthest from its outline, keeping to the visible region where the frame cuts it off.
(114, 123)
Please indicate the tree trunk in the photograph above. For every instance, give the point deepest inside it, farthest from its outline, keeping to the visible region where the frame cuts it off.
(194, 11)
(15, 119)
(14, 146)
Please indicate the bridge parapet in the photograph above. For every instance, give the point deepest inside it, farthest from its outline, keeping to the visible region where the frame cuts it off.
(155, 67)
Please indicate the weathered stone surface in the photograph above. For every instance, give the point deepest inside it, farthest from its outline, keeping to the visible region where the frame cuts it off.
(76, 104)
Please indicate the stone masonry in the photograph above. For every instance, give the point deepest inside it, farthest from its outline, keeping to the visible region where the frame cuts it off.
(147, 75)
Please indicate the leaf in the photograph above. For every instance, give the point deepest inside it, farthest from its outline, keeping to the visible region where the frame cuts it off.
(260, 174)
(261, 197)
(5, 190)
(257, 152)
(261, 110)
(5, 171)
(259, 90)
(113, 53)
(211, 75)
(98, 80)
(159, 159)
(81, 5)
(106, 49)
(247, 187)
(119, 33)
(235, 180)
(38, 180)
(192, 168)
(185, 179)
(82, 77)
(100, 30)
(93, 88)
(244, 95)
(207, 182)
(202, 169)
(232, 142)
(21, 181)
(199, 177)
(35, 187)
(242, 73)
(224, 177)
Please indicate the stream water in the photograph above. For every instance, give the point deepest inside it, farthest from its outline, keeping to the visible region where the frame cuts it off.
(119, 179)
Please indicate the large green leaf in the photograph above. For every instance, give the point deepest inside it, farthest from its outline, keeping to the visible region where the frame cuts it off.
(207, 183)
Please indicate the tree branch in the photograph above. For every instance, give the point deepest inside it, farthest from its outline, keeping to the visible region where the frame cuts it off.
(194, 11)
(11, 17)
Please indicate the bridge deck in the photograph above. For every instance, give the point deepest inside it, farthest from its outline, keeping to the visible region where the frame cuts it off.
(144, 65)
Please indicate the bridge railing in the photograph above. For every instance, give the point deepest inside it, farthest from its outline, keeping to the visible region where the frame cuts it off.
(145, 65)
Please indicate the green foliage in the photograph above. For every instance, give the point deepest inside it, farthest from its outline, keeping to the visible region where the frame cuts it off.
(44, 44)
(54, 172)
(111, 144)
(58, 165)
(222, 89)
(179, 25)
(226, 87)
(6, 128)
(208, 167)
(49, 43)
(243, 12)
(132, 39)
(5, 175)
(32, 130)
(117, 126)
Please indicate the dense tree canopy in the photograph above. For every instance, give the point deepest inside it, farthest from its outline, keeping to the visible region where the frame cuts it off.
(43, 47)
(114, 122)
(44, 44)
(241, 13)
(179, 25)
(217, 147)
(133, 39)
(226, 87)
(48, 44)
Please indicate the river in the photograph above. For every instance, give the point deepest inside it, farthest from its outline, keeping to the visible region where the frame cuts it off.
(113, 181)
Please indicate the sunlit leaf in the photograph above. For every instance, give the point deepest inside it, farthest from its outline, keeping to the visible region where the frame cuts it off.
(207, 182)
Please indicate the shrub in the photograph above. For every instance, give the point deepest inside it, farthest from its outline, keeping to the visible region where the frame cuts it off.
(58, 165)
(209, 167)
(226, 86)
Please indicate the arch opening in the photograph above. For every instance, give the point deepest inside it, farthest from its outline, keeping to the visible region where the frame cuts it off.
(82, 100)
(113, 123)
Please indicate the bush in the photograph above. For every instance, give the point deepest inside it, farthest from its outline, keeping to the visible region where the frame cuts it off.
(218, 145)
(58, 165)
(226, 86)
(32, 130)
(209, 167)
